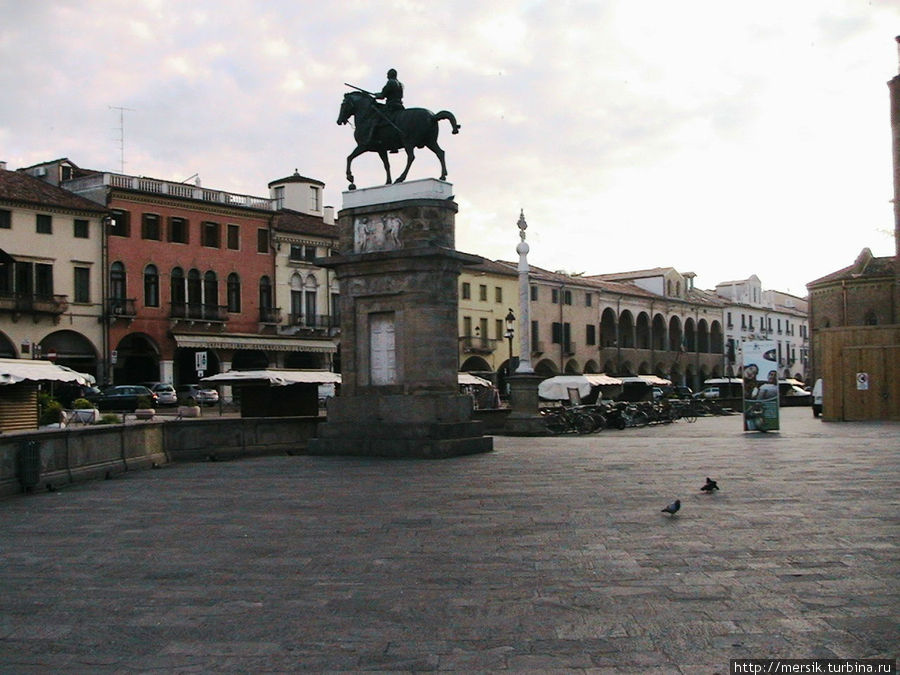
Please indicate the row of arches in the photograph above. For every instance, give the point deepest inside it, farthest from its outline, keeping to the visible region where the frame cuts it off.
(629, 332)
(679, 372)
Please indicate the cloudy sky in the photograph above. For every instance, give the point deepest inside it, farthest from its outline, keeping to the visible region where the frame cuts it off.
(721, 137)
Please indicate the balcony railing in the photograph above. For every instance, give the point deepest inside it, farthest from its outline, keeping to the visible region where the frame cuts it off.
(270, 315)
(162, 187)
(315, 321)
(121, 308)
(28, 303)
(473, 344)
(569, 348)
(199, 312)
(537, 347)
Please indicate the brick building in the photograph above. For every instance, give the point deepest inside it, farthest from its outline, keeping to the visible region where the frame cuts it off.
(190, 269)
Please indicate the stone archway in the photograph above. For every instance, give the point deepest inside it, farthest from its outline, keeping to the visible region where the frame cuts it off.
(626, 330)
(546, 368)
(572, 367)
(609, 367)
(658, 333)
(475, 364)
(642, 331)
(137, 360)
(675, 334)
(73, 350)
(591, 366)
(608, 328)
(7, 348)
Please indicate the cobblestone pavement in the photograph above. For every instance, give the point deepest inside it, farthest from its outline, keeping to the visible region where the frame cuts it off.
(548, 554)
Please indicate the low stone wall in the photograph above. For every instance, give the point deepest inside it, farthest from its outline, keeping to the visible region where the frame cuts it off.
(55, 457)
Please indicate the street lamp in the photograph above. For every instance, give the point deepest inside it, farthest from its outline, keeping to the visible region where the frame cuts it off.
(510, 332)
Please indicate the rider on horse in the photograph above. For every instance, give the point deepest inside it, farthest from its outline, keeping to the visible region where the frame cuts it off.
(392, 93)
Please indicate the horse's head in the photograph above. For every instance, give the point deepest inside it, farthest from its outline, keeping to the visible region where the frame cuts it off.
(346, 110)
(354, 102)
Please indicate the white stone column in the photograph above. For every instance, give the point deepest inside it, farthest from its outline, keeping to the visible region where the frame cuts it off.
(167, 371)
(524, 301)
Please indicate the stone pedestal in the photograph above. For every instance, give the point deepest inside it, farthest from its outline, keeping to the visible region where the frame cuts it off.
(524, 419)
(398, 273)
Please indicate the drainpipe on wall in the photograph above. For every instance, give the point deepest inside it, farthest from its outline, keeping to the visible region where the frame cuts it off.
(105, 375)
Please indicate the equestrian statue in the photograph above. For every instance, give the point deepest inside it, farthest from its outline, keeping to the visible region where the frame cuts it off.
(388, 127)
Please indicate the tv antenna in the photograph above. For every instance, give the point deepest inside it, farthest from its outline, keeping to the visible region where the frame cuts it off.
(121, 134)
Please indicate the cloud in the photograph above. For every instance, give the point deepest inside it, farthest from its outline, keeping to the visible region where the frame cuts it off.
(633, 134)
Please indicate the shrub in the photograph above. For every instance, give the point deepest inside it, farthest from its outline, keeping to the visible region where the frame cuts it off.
(144, 401)
(109, 418)
(82, 404)
(50, 413)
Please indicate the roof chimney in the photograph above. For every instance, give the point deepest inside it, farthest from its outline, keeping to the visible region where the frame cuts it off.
(329, 215)
(2, 165)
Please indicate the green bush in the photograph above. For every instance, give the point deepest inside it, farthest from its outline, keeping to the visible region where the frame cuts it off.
(82, 404)
(108, 418)
(50, 412)
(144, 401)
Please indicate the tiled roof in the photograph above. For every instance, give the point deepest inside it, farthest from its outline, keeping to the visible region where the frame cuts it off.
(295, 222)
(634, 274)
(21, 188)
(493, 267)
(865, 265)
(296, 178)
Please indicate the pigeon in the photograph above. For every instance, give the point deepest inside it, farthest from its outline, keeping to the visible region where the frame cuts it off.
(710, 487)
(673, 507)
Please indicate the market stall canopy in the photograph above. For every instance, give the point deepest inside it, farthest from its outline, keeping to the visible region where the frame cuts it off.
(652, 380)
(473, 380)
(281, 378)
(13, 371)
(275, 378)
(557, 388)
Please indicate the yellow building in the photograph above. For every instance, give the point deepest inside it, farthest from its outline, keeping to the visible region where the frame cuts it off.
(487, 292)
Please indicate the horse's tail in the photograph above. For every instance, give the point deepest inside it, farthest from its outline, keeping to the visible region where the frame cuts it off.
(449, 116)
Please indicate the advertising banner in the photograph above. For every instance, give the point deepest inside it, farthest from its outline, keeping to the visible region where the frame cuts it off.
(760, 374)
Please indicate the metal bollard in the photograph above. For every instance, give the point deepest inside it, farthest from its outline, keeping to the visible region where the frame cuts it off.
(29, 464)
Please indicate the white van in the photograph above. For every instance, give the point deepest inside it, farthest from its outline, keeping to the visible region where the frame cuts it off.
(817, 397)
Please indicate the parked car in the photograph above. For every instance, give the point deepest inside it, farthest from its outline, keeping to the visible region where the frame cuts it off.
(199, 394)
(165, 393)
(708, 392)
(121, 397)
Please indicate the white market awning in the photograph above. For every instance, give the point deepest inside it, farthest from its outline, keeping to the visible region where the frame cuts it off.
(472, 380)
(13, 371)
(272, 377)
(557, 387)
(280, 378)
(652, 380)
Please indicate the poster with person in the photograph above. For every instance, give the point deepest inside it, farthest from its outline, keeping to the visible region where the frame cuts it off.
(760, 384)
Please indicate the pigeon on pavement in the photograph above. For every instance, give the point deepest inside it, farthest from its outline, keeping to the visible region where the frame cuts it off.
(673, 507)
(710, 487)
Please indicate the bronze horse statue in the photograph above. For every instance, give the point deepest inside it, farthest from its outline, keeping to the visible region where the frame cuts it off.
(405, 129)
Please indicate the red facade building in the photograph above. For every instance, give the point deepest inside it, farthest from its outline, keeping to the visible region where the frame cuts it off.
(189, 270)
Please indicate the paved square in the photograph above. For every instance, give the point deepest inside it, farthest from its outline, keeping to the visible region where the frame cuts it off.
(548, 554)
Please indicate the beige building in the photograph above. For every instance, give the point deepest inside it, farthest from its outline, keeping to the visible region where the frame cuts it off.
(51, 274)
(306, 295)
(487, 293)
(752, 313)
(643, 322)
